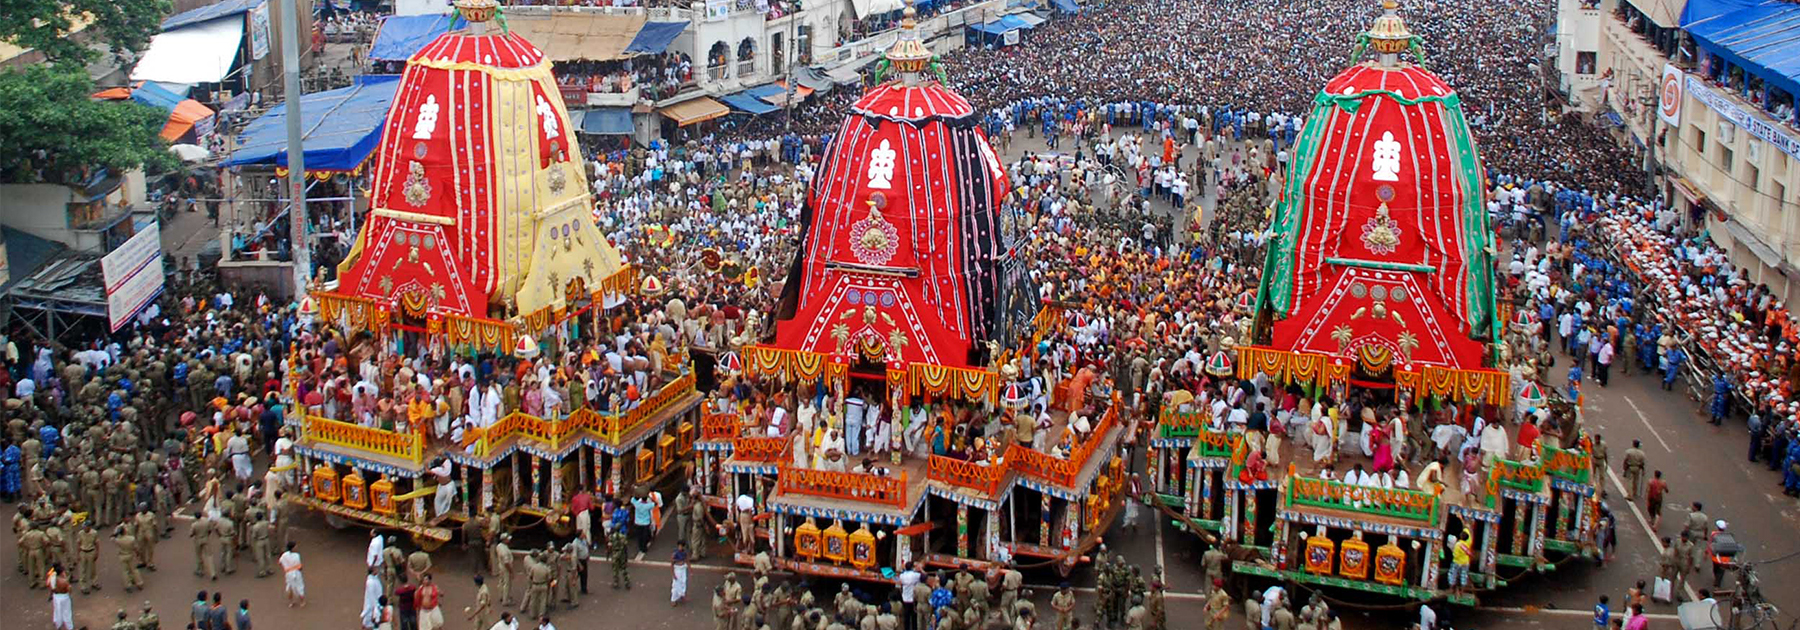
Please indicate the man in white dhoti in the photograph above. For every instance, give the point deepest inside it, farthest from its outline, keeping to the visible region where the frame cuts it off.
(879, 433)
(1320, 431)
(293, 583)
(1493, 443)
(371, 607)
(916, 420)
(833, 450)
(854, 411)
(446, 487)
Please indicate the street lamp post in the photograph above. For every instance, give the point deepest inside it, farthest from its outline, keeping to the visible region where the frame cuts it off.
(290, 70)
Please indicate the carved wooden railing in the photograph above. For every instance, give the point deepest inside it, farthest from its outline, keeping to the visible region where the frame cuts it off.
(1058, 470)
(984, 479)
(759, 449)
(1412, 505)
(883, 489)
(406, 446)
(614, 427)
(1516, 475)
(1182, 424)
(554, 433)
(719, 427)
(1566, 464)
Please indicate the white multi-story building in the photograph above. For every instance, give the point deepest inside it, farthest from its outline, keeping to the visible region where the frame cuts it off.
(1706, 88)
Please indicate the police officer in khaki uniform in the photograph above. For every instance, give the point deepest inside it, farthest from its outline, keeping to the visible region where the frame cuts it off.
(128, 557)
(87, 557)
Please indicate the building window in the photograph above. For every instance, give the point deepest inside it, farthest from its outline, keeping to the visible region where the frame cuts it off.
(1585, 62)
(1725, 159)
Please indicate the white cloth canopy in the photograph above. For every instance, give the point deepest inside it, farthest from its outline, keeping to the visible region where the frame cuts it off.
(201, 53)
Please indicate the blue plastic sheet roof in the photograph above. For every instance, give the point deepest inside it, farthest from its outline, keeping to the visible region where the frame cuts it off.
(402, 35)
(155, 95)
(1011, 22)
(607, 121)
(209, 12)
(655, 37)
(339, 128)
(1762, 38)
(991, 28)
(766, 92)
(748, 102)
(1066, 6)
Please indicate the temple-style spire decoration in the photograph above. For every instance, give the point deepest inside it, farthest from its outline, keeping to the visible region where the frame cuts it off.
(908, 56)
(1389, 36)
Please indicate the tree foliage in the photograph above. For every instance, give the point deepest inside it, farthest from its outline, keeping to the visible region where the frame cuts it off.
(54, 132)
(50, 26)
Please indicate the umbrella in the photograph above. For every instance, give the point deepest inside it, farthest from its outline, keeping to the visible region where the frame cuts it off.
(1246, 302)
(651, 286)
(1524, 317)
(307, 306)
(190, 152)
(1532, 395)
(1219, 364)
(1014, 396)
(526, 348)
(732, 362)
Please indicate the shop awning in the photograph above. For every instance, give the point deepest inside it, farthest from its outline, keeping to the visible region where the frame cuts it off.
(866, 8)
(1687, 189)
(183, 117)
(399, 36)
(1031, 20)
(1066, 6)
(655, 37)
(607, 121)
(578, 36)
(695, 111)
(813, 78)
(209, 13)
(157, 95)
(200, 53)
(747, 102)
(777, 93)
(339, 128)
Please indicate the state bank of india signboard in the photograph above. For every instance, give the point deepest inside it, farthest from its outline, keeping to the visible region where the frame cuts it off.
(1772, 133)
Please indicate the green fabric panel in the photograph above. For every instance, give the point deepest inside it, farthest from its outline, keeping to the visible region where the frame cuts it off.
(1478, 235)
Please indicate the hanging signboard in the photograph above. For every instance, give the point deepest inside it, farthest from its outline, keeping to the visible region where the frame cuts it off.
(1669, 103)
(133, 274)
(259, 31)
(1721, 103)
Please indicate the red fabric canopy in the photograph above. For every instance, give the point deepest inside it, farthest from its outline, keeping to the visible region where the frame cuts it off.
(1381, 230)
(901, 235)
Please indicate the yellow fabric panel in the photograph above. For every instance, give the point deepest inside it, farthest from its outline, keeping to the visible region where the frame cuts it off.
(571, 36)
(698, 110)
(513, 138)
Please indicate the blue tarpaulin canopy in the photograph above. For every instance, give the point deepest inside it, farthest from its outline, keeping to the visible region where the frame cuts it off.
(655, 37)
(766, 92)
(1759, 37)
(607, 121)
(1011, 22)
(339, 128)
(209, 12)
(402, 35)
(1066, 6)
(745, 101)
(156, 95)
(991, 28)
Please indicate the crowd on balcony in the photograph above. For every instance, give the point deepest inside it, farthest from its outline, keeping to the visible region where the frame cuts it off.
(658, 76)
(1773, 101)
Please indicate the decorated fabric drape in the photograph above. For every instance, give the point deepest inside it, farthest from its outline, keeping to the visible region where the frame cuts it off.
(1285, 366)
(1487, 386)
(760, 360)
(964, 383)
(356, 313)
(478, 332)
